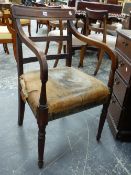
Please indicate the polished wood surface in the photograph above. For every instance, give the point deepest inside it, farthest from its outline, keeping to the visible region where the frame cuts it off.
(119, 111)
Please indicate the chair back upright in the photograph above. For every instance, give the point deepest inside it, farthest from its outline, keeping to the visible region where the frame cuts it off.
(40, 13)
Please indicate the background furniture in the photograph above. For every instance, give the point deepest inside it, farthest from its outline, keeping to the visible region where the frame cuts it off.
(7, 33)
(41, 22)
(112, 1)
(119, 112)
(56, 92)
(100, 34)
(112, 8)
(126, 23)
(126, 7)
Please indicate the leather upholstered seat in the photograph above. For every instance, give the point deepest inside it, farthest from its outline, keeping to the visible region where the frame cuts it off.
(78, 89)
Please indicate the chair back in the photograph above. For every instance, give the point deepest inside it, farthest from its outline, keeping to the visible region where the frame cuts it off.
(19, 12)
(112, 8)
(101, 16)
(38, 13)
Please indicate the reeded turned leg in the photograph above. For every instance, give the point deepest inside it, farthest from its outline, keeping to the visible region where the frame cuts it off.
(21, 109)
(41, 145)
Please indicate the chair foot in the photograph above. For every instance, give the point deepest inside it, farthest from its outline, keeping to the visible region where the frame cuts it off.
(6, 48)
(40, 164)
(102, 120)
(41, 145)
(21, 113)
(98, 137)
(80, 65)
(95, 73)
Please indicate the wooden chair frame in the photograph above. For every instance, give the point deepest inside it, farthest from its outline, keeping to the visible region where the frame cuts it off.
(5, 22)
(93, 16)
(102, 17)
(19, 12)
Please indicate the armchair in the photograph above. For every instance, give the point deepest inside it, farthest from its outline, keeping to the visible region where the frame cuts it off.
(56, 92)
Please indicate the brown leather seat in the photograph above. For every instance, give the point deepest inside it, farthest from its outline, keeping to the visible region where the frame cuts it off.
(77, 92)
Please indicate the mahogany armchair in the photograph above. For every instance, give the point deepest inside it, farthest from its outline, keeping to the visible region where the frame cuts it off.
(56, 92)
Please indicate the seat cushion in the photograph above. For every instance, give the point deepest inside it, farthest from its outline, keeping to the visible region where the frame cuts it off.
(4, 33)
(75, 41)
(68, 89)
(110, 40)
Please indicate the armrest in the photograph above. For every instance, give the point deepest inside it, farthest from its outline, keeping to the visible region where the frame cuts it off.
(39, 54)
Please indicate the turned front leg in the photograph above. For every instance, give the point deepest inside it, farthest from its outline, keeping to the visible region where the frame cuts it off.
(41, 145)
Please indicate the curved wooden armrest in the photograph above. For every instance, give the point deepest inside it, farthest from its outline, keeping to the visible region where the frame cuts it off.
(100, 45)
(39, 54)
